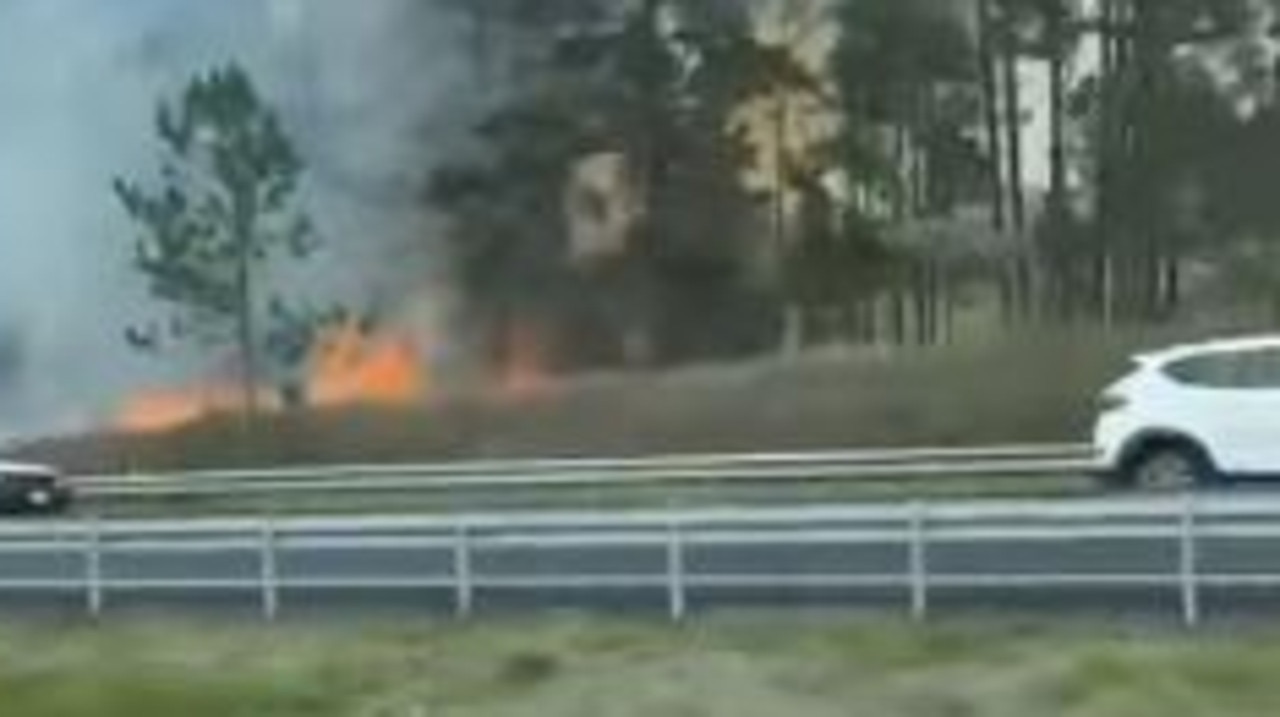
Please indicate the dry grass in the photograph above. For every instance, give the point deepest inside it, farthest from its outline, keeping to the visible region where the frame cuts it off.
(1036, 388)
(572, 668)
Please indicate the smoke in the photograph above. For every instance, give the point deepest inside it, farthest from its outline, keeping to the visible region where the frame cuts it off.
(363, 86)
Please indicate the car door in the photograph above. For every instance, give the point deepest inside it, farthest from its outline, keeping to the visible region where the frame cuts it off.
(1201, 405)
(1252, 413)
(1230, 402)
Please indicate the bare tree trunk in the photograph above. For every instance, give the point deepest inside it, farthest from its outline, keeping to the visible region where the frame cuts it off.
(993, 84)
(918, 170)
(244, 210)
(793, 312)
(780, 125)
(1062, 297)
(870, 333)
(1110, 143)
(1014, 178)
(991, 112)
(1060, 46)
(793, 331)
(898, 316)
(921, 281)
(902, 173)
(1013, 133)
(1149, 48)
(948, 309)
(1172, 298)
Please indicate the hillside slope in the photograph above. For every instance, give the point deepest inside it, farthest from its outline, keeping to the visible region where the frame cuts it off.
(1038, 389)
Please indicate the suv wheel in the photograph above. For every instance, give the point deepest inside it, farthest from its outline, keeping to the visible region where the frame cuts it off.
(1170, 467)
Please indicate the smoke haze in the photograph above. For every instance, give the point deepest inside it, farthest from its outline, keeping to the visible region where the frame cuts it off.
(360, 85)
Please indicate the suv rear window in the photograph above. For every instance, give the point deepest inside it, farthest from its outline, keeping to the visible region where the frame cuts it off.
(1255, 368)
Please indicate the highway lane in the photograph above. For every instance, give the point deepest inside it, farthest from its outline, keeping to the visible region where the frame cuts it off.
(423, 567)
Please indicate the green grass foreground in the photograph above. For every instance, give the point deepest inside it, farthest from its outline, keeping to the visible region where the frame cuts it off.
(573, 668)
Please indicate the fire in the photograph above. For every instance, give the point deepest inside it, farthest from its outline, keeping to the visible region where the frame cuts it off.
(349, 368)
(354, 369)
(163, 409)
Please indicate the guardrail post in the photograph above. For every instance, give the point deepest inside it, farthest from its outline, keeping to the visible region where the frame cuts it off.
(93, 567)
(270, 575)
(918, 542)
(677, 594)
(464, 580)
(1188, 563)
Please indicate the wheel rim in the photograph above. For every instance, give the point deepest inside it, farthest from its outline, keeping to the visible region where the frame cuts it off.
(1168, 470)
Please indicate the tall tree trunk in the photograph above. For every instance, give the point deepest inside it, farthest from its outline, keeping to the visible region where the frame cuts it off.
(1057, 112)
(1103, 216)
(1014, 173)
(898, 315)
(1063, 270)
(1150, 48)
(994, 97)
(1172, 298)
(948, 309)
(902, 173)
(781, 117)
(643, 334)
(793, 338)
(921, 303)
(1013, 134)
(793, 329)
(920, 179)
(919, 150)
(243, 211)
(991, 112)
(870, 321)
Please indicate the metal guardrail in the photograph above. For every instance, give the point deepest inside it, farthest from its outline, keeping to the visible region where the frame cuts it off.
(1170, 549)
(602, 473)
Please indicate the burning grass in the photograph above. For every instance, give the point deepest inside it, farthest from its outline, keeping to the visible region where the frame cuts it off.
(350, 368)
(1037, 388)
(569, 668)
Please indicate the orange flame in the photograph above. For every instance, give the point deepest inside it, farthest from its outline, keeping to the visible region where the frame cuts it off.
(354, 369)
(163, 409)
(349, 368)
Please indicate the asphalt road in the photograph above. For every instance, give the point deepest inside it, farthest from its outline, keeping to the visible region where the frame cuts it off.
(415, 571)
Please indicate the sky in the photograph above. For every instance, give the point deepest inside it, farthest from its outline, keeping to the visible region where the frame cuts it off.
(79, 81)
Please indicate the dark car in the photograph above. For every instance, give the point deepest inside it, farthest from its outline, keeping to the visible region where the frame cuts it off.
(32, 489)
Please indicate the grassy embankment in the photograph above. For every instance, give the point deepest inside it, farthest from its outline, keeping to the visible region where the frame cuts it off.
(1039, 387)
(1035, 388)
(568, 668)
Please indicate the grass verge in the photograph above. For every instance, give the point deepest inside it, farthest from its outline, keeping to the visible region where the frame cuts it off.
(1036, 388)
(574, 668)
(712, 495)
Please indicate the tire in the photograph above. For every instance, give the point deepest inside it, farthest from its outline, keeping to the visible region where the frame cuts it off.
(1173, 466)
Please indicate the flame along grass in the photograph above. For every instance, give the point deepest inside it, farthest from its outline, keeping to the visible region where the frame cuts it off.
(1035, 389)
(350, 369)
(567, 667)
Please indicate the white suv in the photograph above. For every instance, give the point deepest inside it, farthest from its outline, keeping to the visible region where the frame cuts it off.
(1194, 415)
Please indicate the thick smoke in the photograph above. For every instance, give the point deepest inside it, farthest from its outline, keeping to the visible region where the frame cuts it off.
(364, 86)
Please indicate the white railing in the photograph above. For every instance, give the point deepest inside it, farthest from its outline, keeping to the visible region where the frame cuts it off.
(936, 463)
(917, 555)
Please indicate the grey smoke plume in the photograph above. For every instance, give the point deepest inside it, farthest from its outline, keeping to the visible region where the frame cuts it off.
(363, 84)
